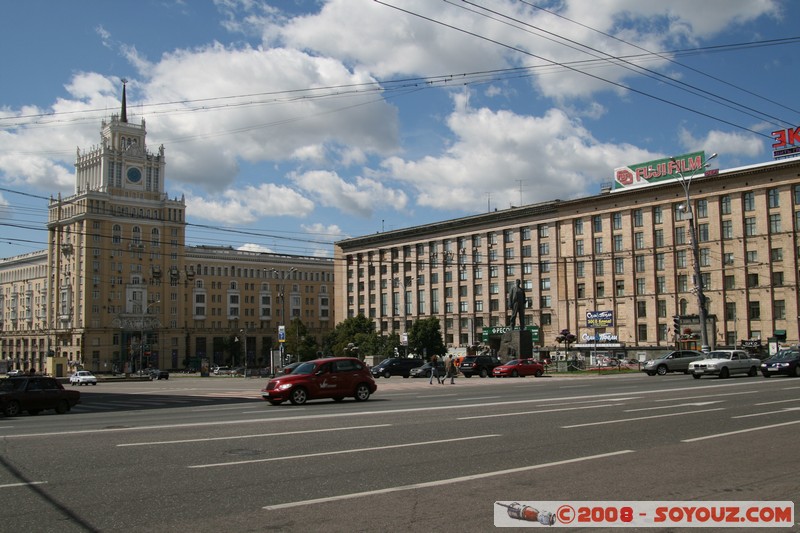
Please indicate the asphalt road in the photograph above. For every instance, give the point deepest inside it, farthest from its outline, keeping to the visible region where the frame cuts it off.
(207, 454)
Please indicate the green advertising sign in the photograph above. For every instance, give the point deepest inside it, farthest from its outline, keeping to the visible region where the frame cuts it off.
(499, 330)
(643, 174)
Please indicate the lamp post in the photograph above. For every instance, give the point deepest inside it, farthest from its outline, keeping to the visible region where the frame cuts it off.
(145, 309)
(282, 325)
(698, 280)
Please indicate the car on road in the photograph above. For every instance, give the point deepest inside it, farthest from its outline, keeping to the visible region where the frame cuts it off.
(724, 363)
(333, 377)
(156, 374)
(519, 368)
(677, 361)
(425, 370)
(288, 369)
(785, 362)
(83, 377)
(35, 394)
(396, 366)
(15, 372)
(480, 365)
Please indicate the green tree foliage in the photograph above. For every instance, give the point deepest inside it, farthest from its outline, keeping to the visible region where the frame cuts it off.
(356, 336)
(425, 337)
(299, 342)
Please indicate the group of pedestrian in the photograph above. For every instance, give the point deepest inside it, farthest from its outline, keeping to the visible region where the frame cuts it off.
(450, 369)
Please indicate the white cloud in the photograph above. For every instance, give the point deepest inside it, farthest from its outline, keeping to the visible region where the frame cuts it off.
(733, 145)
(360, 197)
(250, 204)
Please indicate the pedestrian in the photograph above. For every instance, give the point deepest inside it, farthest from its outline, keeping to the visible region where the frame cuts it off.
(451, 369)
(435, 370)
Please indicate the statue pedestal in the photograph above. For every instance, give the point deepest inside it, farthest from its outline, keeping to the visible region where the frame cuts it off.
(516, 344)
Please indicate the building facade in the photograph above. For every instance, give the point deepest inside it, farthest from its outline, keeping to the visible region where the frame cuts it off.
(117, 289)
(624, 255)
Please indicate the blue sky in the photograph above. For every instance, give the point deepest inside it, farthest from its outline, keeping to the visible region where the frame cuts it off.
(289, 125)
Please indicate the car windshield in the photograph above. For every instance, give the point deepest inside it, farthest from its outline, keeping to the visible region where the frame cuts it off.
(304, 368)
(514, 362)
(787, 354)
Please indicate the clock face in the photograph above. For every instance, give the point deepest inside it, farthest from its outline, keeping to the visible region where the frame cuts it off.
(134, 175)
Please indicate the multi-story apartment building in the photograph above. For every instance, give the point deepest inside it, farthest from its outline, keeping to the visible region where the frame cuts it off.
(626, 253)
(117, 288)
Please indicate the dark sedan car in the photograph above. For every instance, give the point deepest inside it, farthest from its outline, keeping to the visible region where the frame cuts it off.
(156, 374)
(425, 370)
(785, 362)
(35, 394)
(396, 366)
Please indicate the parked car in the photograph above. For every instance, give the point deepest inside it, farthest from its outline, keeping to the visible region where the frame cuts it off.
(724, 363)
(35, 394)
(481, 365)
(519, 368)
(15, 372)
(334, 377)
(221, 370)
(396, 366)
(288, 369)
(784, 362)
(677, 361)
(82, 377)
(156, 374)
(425, 370)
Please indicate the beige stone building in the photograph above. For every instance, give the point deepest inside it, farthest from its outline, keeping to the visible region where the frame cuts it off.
(621, 254)
(117, 288)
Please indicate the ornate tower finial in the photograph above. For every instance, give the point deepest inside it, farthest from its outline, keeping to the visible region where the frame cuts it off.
(123, 116)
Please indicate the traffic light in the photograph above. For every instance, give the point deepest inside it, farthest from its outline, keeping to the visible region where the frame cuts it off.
(676, 324)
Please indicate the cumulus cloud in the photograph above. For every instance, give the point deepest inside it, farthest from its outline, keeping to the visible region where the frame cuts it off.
(360, 197)
(733, 144)
(250, 204)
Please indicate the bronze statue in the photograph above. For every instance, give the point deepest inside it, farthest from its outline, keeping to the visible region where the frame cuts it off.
(516, 302)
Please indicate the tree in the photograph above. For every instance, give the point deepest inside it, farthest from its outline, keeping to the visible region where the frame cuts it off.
(299, 342)
(354, 330)
(425, 337)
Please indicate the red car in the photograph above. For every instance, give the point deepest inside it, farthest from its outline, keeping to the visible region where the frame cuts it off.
(331, 377)
(519, 368)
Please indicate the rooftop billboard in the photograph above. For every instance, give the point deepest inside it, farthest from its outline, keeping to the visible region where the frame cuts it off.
(650, 172)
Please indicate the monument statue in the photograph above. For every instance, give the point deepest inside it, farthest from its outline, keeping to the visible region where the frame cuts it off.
(516, 302)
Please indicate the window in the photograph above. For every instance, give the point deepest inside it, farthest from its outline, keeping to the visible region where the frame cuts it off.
(526, 251)
(638, 219)
(619, 265)
(775, 223)
(680, 235)
(660, 262)
(600, 290)
(702, 233)
(580, 269)
(526, 233)
(579, 247)
(776, 255)
(777, 279)
(642, 332)
(638, 239)
(579, 226)
(509, 253)
(754, 310)
(683, 283)
(779, 310)
(751, 256)
(680, 259)
(544, 248)
(598, 245)
(581, 289)
(618, 245)
(702, 208)
(544, 266)
(705, 257)
(658, 237)
(727, 229)
(508, 235)
(680, 211)
(773, 198)
(661, 284)
(729, 282)
(640, 286)
(619, 287)
(749, 201)
(641, 309)
(544, 231)
(617, 221)
(639, 259)
(597, 223)
(752, 280)
(750, 226)
(545, 301)
(658, 215)
(599, 267)
(661, 308)
(545, 284)
(725, 205)
(727, 258)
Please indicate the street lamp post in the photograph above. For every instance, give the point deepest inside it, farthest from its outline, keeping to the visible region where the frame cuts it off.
(698, 280)
(282, 295)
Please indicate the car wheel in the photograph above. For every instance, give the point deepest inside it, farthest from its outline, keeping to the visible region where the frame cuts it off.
(765, 374)
(797, 371)
(514, 374)
(661, 370)
(428, 374)
(12, 408)
(467, 375)
(696, 376)
(538, 373)
(362, 392)
(387, 375)
(651, 373)
(33, 412)
(94, 383)
(338, 399)
(724, 373)
(483, 373)
(62, 407)
(298, 396)
(753, 372)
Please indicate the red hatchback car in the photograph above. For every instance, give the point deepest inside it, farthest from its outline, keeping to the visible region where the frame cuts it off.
(519, 368)
(332, 377)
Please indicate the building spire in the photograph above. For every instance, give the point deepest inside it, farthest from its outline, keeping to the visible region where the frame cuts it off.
(123, 116)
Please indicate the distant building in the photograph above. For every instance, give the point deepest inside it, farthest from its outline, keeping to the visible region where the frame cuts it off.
(117, 288)
(623, 255)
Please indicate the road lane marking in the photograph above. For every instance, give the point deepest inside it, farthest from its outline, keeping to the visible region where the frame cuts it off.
(339, 452)
(234, 437)
(695, 404)
(538, 411)
(778, 401)
(640, 418)
(707, 396)
(441, 482)
(727, 434)
(782, 411)
(25, 484)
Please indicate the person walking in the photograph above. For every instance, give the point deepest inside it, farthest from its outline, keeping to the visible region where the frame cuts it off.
(435, 370)
(451, 370)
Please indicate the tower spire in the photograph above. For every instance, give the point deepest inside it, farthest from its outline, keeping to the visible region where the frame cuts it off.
(123, 116)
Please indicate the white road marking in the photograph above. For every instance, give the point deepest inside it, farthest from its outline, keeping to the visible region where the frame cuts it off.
(540, 411)
(741, 431)
(695, 404)
(640, 418)
(784, 410)
(26, 484)
(234, 437)
(339, 452)
(707, 396)
(779, 401)
(441, 482)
